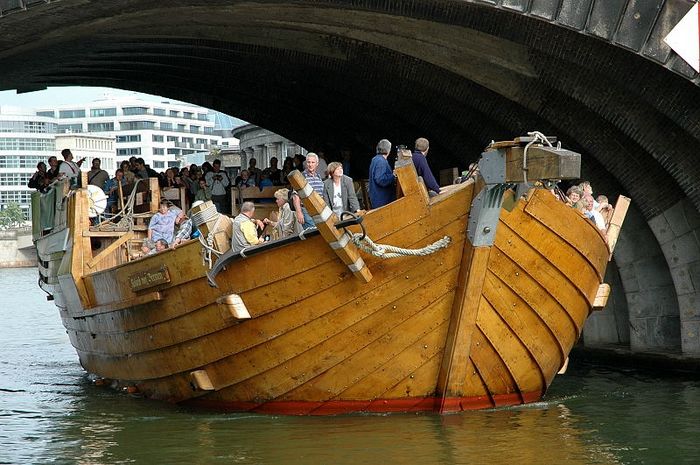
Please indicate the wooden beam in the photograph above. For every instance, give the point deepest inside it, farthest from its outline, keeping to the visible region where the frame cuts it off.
(542, 163)
(453, 371)
(616, 221)
(110, 249)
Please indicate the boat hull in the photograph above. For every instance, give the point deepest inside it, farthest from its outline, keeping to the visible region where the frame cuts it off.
(321, 341)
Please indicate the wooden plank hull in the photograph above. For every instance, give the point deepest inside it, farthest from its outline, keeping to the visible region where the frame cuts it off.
(320, 341)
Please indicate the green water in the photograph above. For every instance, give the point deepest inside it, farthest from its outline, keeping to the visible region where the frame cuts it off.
(51, 413)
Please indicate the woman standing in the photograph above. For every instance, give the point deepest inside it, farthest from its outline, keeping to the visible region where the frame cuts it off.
(338, 190)
(286, 223)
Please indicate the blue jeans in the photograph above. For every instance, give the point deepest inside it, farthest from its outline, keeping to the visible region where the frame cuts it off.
(308, 221)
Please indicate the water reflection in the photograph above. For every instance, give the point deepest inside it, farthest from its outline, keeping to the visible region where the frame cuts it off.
(50, 413)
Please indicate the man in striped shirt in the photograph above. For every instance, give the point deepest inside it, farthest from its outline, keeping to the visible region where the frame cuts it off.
(313, 178)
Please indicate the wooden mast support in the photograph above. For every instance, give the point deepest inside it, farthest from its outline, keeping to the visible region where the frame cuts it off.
(325, 220)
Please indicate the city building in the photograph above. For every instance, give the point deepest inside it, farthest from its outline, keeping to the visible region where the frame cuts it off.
(25, 140)
(89, 147)
(159, 132)
(261, 144)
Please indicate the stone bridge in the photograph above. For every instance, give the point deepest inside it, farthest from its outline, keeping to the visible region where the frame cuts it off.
(347, 73)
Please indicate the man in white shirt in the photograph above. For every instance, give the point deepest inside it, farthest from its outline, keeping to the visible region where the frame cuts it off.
(68, 167)
(594, 214)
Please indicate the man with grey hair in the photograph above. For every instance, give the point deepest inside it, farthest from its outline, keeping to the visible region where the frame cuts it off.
(381, 177)
(421, 163)
(316, 183)
(245, 232)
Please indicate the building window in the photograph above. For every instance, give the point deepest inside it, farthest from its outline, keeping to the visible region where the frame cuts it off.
(129, 138)
(158, 164)
(99, 112)
(201, 141)
(158, 151)
(173, 164)
(202, 117)
(100, 127)
(63, 128)
(23, 161)
(166, 126)
(14, 179)
(51, 114)
(174, 114)
(180, 128)
(18, 144)
(21, 197)
(129, 152)
(71, 114)
(172, 138)
(208, 130)
(173, 151)
(194, 129)
(136, 125)
(159, 112)
(187, 115)
(187, 152)
(187, 140)
(127, 111)
(156, 138)
(28, 126)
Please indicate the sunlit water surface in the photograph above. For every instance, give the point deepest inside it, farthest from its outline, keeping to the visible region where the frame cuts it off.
(50, 412)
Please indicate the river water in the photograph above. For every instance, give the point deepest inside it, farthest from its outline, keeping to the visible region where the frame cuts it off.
(50, 412)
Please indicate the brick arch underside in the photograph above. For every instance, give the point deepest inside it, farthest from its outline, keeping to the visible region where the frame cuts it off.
(336, 73)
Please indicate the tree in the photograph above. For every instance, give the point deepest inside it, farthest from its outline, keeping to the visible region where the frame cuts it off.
(11, 216)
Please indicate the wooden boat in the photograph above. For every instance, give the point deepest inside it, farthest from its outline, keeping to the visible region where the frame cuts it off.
(317, 326)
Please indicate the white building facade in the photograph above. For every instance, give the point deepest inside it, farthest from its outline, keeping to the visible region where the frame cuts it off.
(25, 140)
(159, 132)
(261, 144)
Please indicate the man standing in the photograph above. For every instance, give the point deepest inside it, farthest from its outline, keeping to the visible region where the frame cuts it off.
(421, 163)
(312, 177)
(245, 227)
(381, 178)
(111, 188)
(218, 181)
(68, 167)
(97, 176)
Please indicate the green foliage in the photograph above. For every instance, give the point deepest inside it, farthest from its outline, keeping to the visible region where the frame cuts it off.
(11, 216)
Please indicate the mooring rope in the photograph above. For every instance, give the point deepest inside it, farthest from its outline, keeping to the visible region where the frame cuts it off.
(366, 244)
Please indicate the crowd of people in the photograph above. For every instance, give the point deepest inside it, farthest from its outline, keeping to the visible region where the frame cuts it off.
(209, 182)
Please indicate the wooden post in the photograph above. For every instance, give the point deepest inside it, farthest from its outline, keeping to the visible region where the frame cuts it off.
(325, 219)
(154, 188)
(616, 221)
(465, 308)
(120, 198)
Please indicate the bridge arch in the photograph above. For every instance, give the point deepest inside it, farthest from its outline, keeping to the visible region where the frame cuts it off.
(594, 72)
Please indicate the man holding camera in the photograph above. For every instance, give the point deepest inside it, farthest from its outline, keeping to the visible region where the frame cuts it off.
(218, 181)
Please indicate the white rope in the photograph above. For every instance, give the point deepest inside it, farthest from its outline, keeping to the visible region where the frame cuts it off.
(389, 251)
(200, 218)
(538, 137)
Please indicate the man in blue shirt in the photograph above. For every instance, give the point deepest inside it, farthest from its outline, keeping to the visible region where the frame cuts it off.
(381, 178)
(314, 179)
(421, 163)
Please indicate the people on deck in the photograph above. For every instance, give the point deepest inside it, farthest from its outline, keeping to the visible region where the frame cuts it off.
(53, 171)
(111, 188)
(421, 163)
(218, 182)
(339, 191)
(162, 224)
(273, 173)
(68, 167)
(245, 228)
(203, 191)
(286, 224)
(38, 179)
(314, 180)
(185, 226)
(381, 178)
(97, 176)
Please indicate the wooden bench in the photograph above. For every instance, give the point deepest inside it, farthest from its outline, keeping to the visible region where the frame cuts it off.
(264, 200)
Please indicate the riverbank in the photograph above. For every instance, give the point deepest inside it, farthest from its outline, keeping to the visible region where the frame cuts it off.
(17, 249)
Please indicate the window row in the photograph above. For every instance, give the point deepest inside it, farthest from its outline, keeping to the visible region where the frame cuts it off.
(27, 144)
(14, 179)
(23, 161)
(28, 126)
